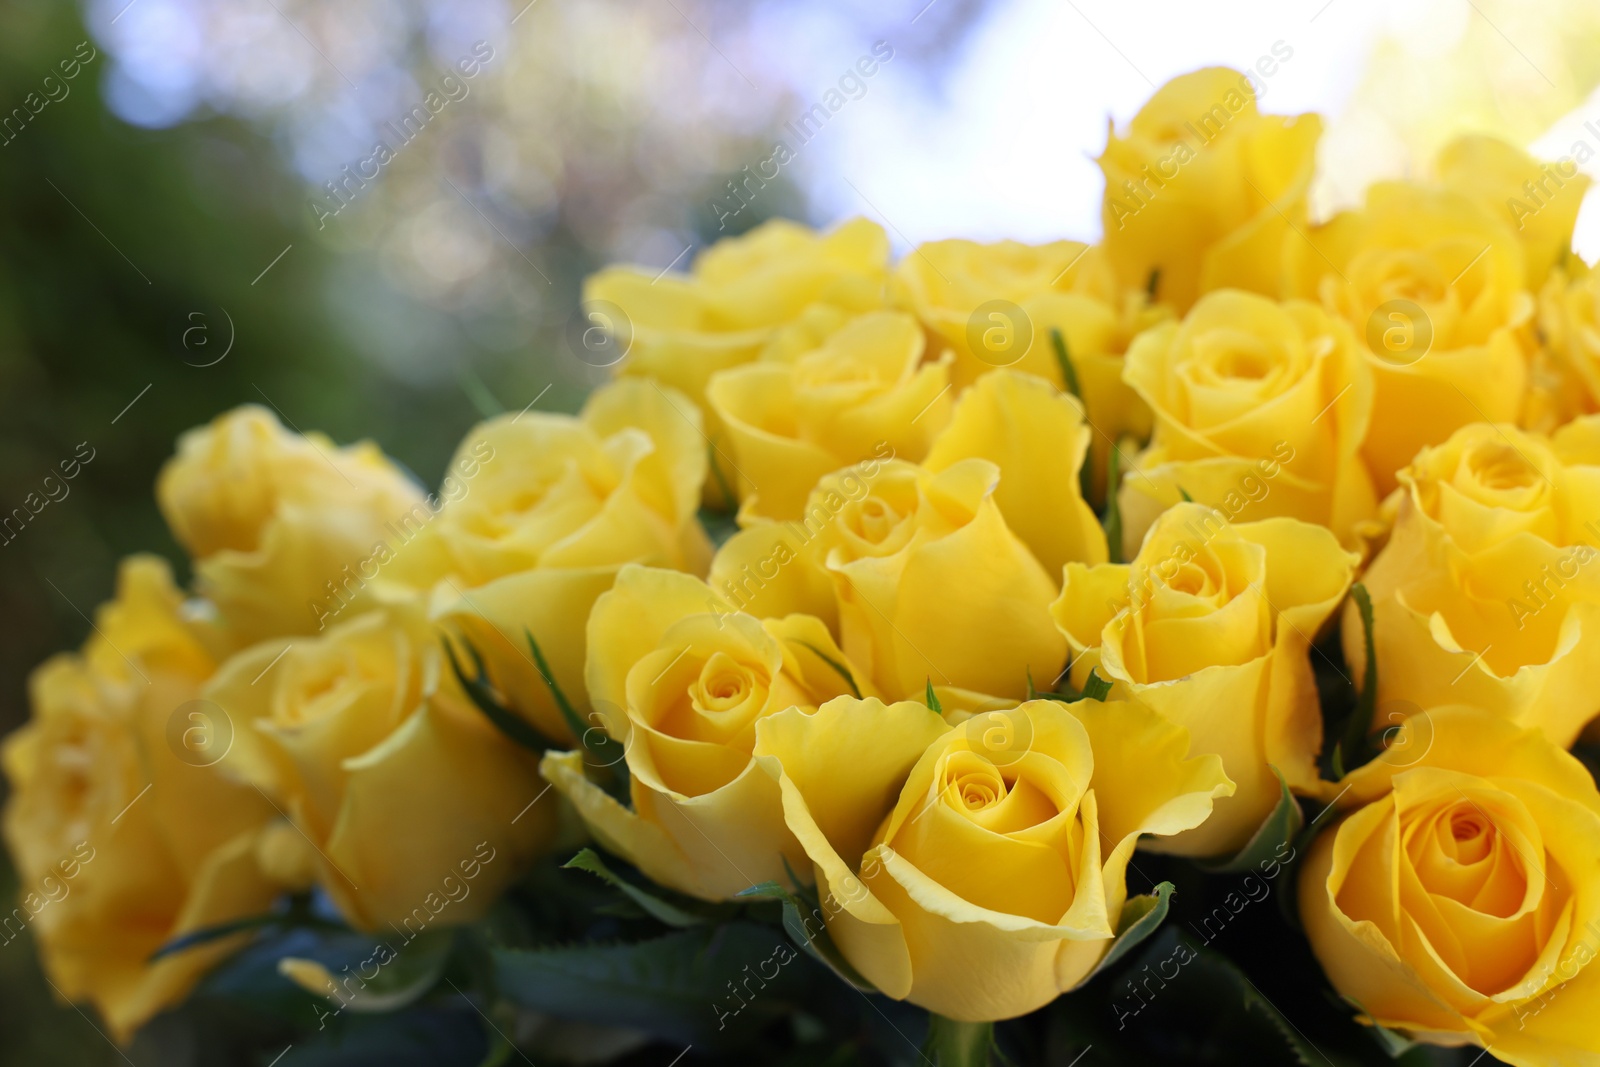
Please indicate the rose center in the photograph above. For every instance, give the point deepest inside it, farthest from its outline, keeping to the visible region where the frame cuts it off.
(1502, 468)
(875, 519)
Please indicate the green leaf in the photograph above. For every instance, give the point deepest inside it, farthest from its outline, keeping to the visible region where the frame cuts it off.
(957, 1044)
(1069, 374)
(207, 934)
(688, 986)
(841, 669)
(932, 700)
(1139, 918)
(658, 908)
(1153, 283)
(1187, 499)
(607, 749)
(1280, 828)
(482, 695)
(1112, 521)
(1095, 687)
(815, 941)
(412, 970)
(1353, 748)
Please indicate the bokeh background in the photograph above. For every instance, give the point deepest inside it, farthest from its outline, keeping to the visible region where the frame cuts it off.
(169, 246)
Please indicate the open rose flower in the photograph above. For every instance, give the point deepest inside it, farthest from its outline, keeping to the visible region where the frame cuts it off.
(124, 834)
(1211, 625)
(1202, 190)
(979, 870)
(272, 519)
(1454, 900)
(1487, 591)
(390, 777)
(683, 679)
(1260, 410)
(774, 292)
(925, 578)
(996, 305)
(1540, 201)
(864, 392)
(1567, 374)
(556, 506)
(1435, 284)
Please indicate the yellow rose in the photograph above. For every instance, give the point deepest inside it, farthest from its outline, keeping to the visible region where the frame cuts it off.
(1435, 286)
(1484, 593)
(925, 578)
(273, 520)
(123, 834)
(1204, 189)
(1006, 298)
(1038, 437)
(865, 392)
(1211, 625)
(682, 679)
(1454, 900)
(1569, 319)
(1540, 201)
(979, 871)
(776, 291)
(410, 806)
(554, 506)
(1260, 410)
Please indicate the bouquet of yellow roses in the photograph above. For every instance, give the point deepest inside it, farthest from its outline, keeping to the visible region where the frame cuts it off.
(939, 661)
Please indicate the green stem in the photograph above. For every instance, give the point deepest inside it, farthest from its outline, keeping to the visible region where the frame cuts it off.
(958, 1044)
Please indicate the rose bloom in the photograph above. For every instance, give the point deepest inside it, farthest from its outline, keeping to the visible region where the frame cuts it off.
(1204, 189)
(124, 837)
(1260, 410)
(556, 506)
(1499, 175)
(1567, 373)
(1435, 285)
(1065, 286)
(979, 870)
(1211, 625)
(1451, 901)
(682, 679)
(1486, 591)
(865, 391)
(272, 519)
(775, 292)
(920, 570)
(365, 742)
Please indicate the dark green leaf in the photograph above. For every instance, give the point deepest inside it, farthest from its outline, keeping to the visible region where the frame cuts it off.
(932, 700)
(1095, 687)
(657, 907)
(483, 697)
(689, 986)
(840, 668)
(803, 919)
(213, 933)
(607, 750)
(1112, 520)
(1153, 283)
(1069, 374)
(1276, 832)
(1139, 919)
(1352, 750)
(1185, 494)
